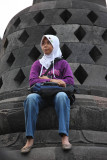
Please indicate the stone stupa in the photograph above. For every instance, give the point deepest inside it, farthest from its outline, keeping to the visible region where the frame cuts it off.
(81, 26)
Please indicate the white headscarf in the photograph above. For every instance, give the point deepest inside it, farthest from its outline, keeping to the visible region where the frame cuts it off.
(46, 60)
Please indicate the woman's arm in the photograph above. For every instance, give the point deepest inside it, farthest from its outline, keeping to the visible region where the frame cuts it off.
(66, 72)
(67, 75)
(34, 74)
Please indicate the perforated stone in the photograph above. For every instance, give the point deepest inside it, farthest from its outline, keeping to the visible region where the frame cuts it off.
(24, 36)
(80, 33)
(39, 17)
(65, 15)
(104, 36)
(10, 59)
(17, 22)
(1, 82)
(95, 54)
(80, 74)
(65, 51)
(50, 31)
(19, 78)
(92, 16)
(106, 77)
(6, 43)
(34, 54)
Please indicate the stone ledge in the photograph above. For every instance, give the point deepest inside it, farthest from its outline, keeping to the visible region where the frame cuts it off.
(88, 113)
(78, 97)
(47, 138)
(56, 153)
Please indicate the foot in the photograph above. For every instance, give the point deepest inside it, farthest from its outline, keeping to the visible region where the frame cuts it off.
(28, 145)
(66, 145)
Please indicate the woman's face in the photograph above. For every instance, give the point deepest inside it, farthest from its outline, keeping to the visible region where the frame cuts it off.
(46, 46)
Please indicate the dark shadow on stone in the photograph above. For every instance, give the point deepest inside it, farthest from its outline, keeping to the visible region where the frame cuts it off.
(60, 154)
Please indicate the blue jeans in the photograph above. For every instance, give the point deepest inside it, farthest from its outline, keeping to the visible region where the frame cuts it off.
(34, 102)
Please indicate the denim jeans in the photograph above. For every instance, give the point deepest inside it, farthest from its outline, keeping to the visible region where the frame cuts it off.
(34, 102)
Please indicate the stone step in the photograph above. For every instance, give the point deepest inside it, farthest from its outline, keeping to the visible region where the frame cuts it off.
(56, 153)
(88, 113)
(49, 138)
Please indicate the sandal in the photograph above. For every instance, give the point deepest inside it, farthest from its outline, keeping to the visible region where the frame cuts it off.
(66, 146)
(26, 149)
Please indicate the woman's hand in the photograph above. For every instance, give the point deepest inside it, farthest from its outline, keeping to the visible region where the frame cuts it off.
(43, 77)
(59, 82)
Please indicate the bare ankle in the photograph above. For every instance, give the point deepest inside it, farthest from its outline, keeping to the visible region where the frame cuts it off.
(29, 141)
(65, 139)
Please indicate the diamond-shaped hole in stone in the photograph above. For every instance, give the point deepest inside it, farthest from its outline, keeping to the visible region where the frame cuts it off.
(6, 43)
(95, 54)
(65, 15)
(50, 31)
(80, 33)
(19, 78)
(65, 51)
(106, 77)
(17, 22)
(39, 17)
(34, 54)
(92, 16)
(1, 82)
(10, 59)
(104, 36)
(24, 36)
(80, 74)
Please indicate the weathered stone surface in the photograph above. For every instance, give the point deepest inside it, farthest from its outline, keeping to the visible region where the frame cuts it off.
(55, 153)
(101, 2)
(51, 138)
(88, 113)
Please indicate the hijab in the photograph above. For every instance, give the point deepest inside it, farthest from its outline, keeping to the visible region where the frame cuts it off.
(46, 60)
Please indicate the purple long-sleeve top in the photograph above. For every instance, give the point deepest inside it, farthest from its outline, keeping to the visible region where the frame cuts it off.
(62, 71)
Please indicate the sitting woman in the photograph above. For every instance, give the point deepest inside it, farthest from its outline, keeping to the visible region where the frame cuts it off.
(61, 74)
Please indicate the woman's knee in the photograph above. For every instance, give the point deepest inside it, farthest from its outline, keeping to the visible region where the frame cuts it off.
(32, 100)
(61, 95)
(32, 96)
(62, 101)
(62, 98)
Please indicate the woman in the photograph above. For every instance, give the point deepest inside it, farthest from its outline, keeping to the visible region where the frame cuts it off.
(61, 74)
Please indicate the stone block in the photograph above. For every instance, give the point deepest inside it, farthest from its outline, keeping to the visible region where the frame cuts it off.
(88, 5)
(43, 6)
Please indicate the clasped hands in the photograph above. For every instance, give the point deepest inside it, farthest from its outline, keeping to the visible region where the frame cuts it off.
(58, 81)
